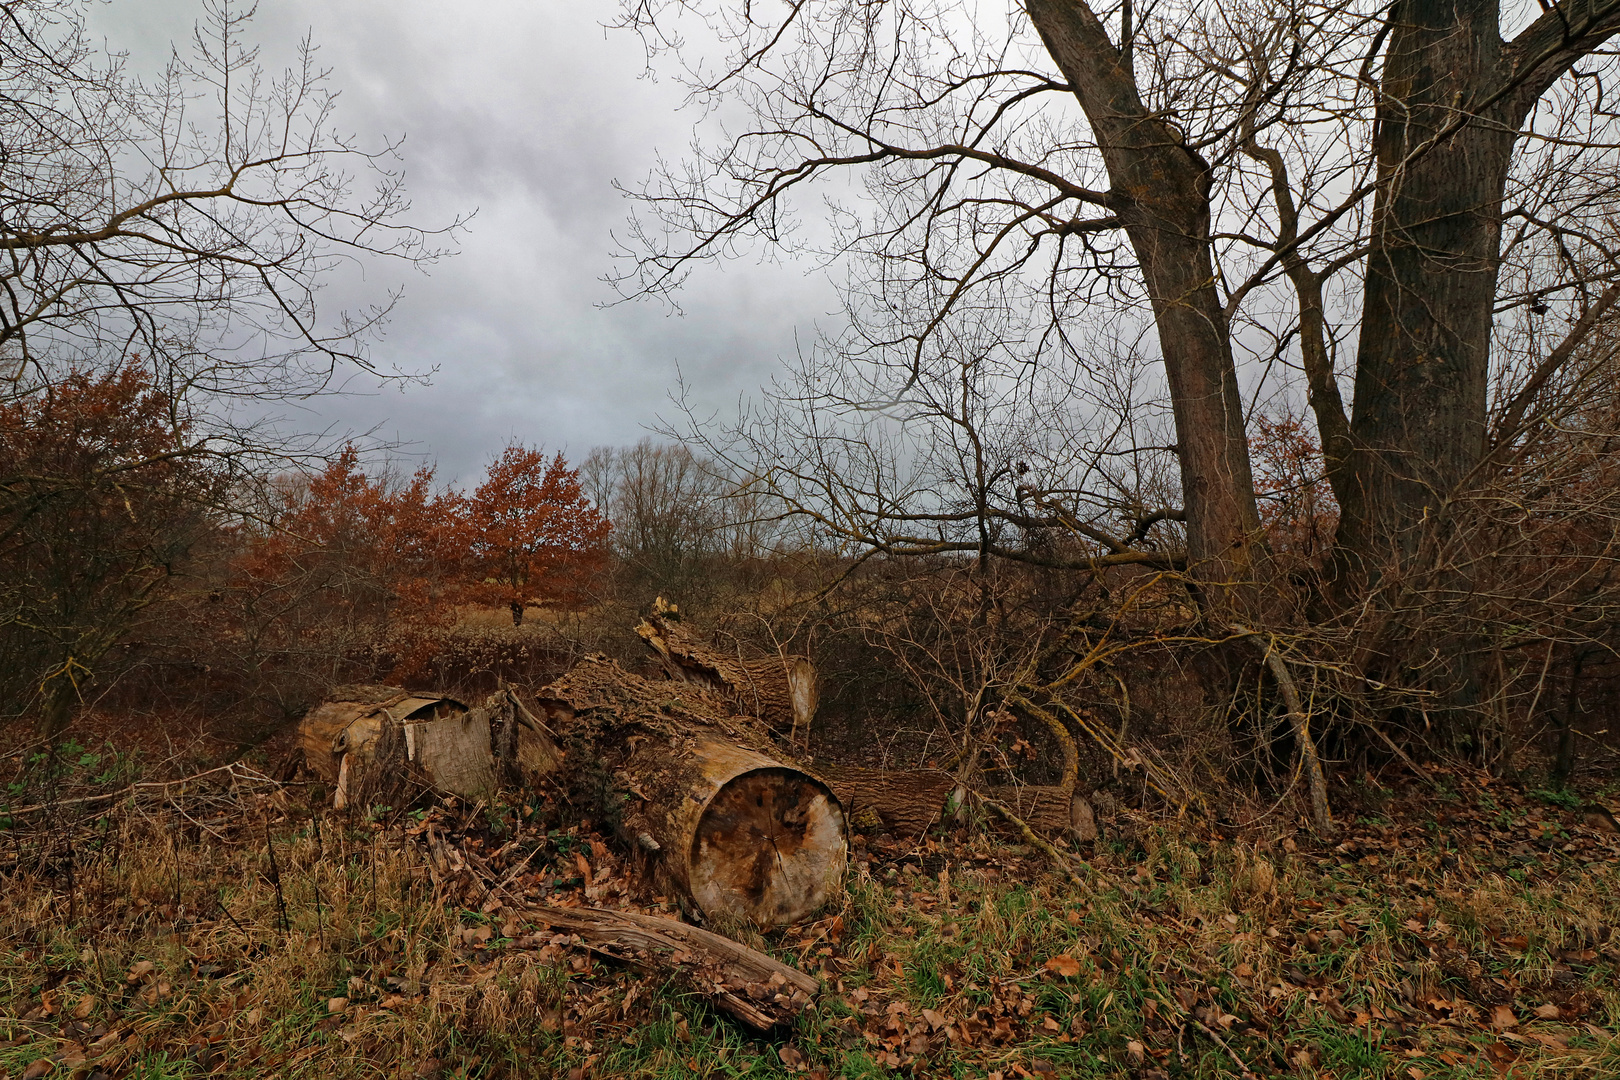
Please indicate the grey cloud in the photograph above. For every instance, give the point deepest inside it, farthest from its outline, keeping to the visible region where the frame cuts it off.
(527, 112)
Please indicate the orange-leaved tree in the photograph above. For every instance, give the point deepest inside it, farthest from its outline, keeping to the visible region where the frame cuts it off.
(104, 492)
(532, 535)
(347, 557)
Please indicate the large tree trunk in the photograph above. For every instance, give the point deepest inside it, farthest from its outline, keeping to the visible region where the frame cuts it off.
(1160, 192)
(731, 824)
(1418, 422)
(1453, 99)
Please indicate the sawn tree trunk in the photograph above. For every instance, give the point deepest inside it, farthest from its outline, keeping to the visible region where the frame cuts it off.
(731, 824)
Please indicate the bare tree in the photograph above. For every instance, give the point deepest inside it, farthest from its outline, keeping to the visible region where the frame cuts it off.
(1411, 202)
(677, 516)
(172, 233)
(189, 218)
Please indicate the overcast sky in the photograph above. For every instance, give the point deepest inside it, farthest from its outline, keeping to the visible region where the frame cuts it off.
(525, 112)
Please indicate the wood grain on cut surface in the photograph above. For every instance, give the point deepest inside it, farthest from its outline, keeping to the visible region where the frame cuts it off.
(768, 847)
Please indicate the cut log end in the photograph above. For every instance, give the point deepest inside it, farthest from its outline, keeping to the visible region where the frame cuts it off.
(770, 847)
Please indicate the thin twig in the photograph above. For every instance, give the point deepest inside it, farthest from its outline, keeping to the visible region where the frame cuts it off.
(1243, 1067)
(1057, 857)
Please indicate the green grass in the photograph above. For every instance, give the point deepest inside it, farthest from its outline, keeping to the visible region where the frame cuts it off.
(1315, 964)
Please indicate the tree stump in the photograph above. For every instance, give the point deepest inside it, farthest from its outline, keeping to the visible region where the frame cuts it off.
(731, 824)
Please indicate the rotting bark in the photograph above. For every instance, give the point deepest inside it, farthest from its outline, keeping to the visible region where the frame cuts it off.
(705, 795)
(778, 690)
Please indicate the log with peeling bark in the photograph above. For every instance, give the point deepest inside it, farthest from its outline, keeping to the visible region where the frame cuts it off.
(778, 690)
(756, 989)
(731, 824)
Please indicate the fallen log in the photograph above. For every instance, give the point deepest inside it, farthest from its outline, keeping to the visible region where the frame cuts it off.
(905, 802)
(702, 794)
(901, 802)
(756, 989)
(778, 690)
(1048, 810)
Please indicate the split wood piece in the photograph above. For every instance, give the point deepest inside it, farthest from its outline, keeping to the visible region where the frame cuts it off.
(778, 690)
(389, 744)
(730, 824)
(323, 728)
(754, 988)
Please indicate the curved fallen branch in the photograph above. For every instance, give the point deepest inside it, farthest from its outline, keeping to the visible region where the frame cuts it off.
(756, 989)
(1300, 722)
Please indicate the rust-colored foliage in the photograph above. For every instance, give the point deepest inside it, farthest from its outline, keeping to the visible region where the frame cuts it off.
(532, 534)
(1297, 508)
(364, 551)
(101, 495)
(378, 547)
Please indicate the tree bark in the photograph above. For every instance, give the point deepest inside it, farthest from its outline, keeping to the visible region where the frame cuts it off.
(1160, 192)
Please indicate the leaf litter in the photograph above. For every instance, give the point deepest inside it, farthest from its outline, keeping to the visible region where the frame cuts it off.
(1470, 933)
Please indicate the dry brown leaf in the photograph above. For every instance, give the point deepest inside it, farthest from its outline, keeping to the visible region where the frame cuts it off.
(1135, 1051)
(1502, 1018)
(1064, 965)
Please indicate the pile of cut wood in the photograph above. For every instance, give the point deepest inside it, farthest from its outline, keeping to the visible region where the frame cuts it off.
(695, 772)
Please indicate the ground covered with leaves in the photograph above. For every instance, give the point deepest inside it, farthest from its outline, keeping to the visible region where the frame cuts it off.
(1455, 927)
